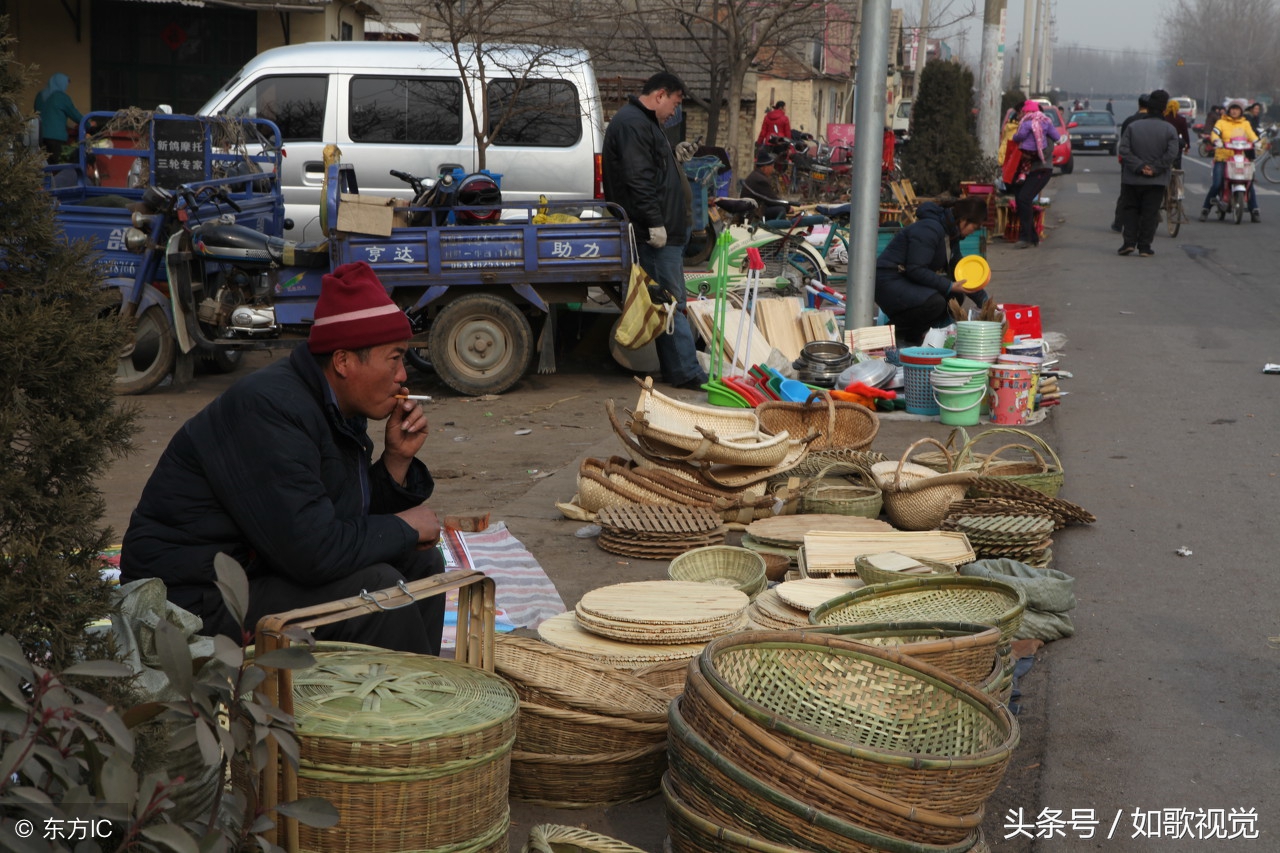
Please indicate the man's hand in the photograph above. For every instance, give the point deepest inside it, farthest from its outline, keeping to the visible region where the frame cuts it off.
(406, 432)
(422, 519)
(685, 151)
(658, 237)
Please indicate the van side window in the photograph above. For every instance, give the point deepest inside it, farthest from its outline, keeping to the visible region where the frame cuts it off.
(535, 113)
(397, 109)
(295, 104)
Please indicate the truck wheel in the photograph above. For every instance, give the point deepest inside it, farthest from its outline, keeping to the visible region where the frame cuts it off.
(480, 344)
(150, 354)
(419, 358)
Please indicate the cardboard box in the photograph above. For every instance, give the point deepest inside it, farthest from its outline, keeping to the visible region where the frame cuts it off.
(400, 213)
(365, 214)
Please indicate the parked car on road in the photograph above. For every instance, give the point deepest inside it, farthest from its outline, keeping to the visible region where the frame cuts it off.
(1062, 150)
(1093, 130)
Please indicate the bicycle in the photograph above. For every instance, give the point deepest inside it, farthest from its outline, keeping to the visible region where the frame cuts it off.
(1268, 163)
(1174, 215)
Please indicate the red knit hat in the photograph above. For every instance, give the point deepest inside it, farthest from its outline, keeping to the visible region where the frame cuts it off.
(354, 311)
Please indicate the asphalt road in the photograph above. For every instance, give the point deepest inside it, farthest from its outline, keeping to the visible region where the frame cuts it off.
(1163, 706)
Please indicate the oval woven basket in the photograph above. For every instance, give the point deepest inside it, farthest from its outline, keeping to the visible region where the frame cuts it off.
(727, 565)
(882, 719)
(769, 756)
(553, 838)
(873, 574)
(964, 649)
(720, 790)
(915, 497)
(553, 677)
(587, 781)
(840, 425)
(667, 676)
(690, 832)
(837, 495)
(561, 731)
(1037, 473)
(946, 599)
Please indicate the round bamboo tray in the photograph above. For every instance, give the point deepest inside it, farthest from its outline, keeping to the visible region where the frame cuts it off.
(882, 719)
(553, 677)
(716, 787)
(945, 599)
(963, 649)
(661, 605)
(565, 632)
(552, 838)
(587, 781)
(807, 593)
(438, 737)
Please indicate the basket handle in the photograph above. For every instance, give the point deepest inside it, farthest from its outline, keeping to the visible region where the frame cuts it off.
(831, 409)
(982, 472)
(946, 454)
(1021, 433)
(851, 468)
(928, 482)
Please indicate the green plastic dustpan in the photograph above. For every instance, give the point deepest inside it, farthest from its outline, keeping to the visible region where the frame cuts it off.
(719, 394)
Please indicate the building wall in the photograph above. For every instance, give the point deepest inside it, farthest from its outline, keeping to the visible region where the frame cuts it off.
(47, 39)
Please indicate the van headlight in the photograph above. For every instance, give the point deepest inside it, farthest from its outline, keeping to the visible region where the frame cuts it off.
(135, 240)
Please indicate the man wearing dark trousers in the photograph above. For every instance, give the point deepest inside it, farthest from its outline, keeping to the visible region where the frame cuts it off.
(1148, 149)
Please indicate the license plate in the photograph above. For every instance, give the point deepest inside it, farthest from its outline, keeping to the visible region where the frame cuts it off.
(1091, 143)
(819, 176)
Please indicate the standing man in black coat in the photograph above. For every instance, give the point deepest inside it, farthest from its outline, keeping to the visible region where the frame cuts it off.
(278, 473)
(641, 175)
(1148, 148)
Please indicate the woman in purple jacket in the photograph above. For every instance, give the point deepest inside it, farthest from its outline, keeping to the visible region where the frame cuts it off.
(1035, 137)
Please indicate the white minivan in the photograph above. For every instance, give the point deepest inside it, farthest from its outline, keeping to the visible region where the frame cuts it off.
(404, 106)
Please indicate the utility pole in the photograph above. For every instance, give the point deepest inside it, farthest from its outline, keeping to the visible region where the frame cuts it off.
(1037, 48)
(992, 74)
(922, 47)
(1046, 76)
(1029, 8)
(868, 148)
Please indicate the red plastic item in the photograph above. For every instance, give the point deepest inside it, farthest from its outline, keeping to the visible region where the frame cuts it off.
(866, 390)
(754, 261)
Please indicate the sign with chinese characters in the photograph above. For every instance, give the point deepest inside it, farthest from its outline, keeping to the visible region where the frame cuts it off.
(179, 147)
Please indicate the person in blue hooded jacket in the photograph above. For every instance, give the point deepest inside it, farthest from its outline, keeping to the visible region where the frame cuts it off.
(58, 116)
(915, 274)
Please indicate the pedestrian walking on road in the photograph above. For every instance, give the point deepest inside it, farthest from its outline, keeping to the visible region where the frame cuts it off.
(642, 177)
(1110, 107)
(1148, 148)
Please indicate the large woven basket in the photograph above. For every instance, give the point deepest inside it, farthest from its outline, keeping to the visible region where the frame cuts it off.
(882, 719)
(838, 495)
(964, 649)
(945, 599)
(690, 832)
(588, 781)
(1036, 472)
(553, 677)
(705, 433)
(553, 838)
(668, 676)
(727, 565)
(769, 756)
(840, 425)
(716, 787)
(915, 497)
(872, 574)
(437, 742)
(562, 731)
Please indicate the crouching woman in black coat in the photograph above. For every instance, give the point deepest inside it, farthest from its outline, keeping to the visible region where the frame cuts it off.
(915, 277)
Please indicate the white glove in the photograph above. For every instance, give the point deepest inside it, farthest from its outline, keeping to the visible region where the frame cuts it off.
(658, 237)
(685, 151)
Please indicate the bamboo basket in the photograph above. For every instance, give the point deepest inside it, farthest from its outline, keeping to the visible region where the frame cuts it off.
(915, 497)
(964, 649)
(549, 730)
(946, 599)
(839, 496)
(768, 756)
(690, 832)
(552, 677)
(716, 787)
(1038, 473)
(588, 781)
(705, 433)
(727, 565)
(873, 574)
(446, 751)
(840, 425)
(667, 676)
(553, 838)
(881, 719)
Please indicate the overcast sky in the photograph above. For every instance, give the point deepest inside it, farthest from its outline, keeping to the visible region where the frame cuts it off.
(1105, 24)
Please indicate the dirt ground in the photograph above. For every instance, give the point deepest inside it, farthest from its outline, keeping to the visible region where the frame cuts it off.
(482, 464)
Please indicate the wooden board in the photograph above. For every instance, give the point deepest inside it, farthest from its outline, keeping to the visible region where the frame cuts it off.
(660, 603)
(703, 315)
(790, 530)
(564, 632)
(779, 319)
(834, 552)
(809, 593)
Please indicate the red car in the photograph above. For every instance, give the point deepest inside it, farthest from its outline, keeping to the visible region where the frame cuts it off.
(1062, 149)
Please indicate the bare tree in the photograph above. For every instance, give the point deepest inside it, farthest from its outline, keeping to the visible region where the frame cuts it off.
(1233, 38)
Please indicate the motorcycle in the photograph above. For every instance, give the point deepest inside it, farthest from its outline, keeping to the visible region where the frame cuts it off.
(1237, 181)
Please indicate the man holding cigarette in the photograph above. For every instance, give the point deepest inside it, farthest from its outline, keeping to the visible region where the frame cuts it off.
(278, 473)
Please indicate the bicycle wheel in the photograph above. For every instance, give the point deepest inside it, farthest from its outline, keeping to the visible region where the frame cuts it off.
(1270, 168)
(1173, 216)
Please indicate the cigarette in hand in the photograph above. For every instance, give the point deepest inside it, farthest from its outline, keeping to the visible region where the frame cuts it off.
(423, 397)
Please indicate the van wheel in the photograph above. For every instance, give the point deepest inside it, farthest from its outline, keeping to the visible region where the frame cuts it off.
(480, 344)
(149, 355)
(420, 358)
(1069, 166)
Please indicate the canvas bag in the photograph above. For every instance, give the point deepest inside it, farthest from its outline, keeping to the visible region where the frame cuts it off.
(643, 318)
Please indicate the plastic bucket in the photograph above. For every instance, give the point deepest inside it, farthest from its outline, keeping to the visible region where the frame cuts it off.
(960, 408)
(1010, 394)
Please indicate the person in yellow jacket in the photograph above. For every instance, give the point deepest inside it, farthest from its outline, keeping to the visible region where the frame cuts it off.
(1233, 125)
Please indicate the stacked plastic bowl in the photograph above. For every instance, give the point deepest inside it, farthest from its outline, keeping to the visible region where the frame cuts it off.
(979, 340)
(959, 386)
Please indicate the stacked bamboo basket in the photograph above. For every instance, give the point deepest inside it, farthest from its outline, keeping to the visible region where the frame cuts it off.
(587, 734)
(804, 741)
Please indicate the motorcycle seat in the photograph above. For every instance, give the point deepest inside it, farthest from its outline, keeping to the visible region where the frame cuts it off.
(254, 245)
(737, 206)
